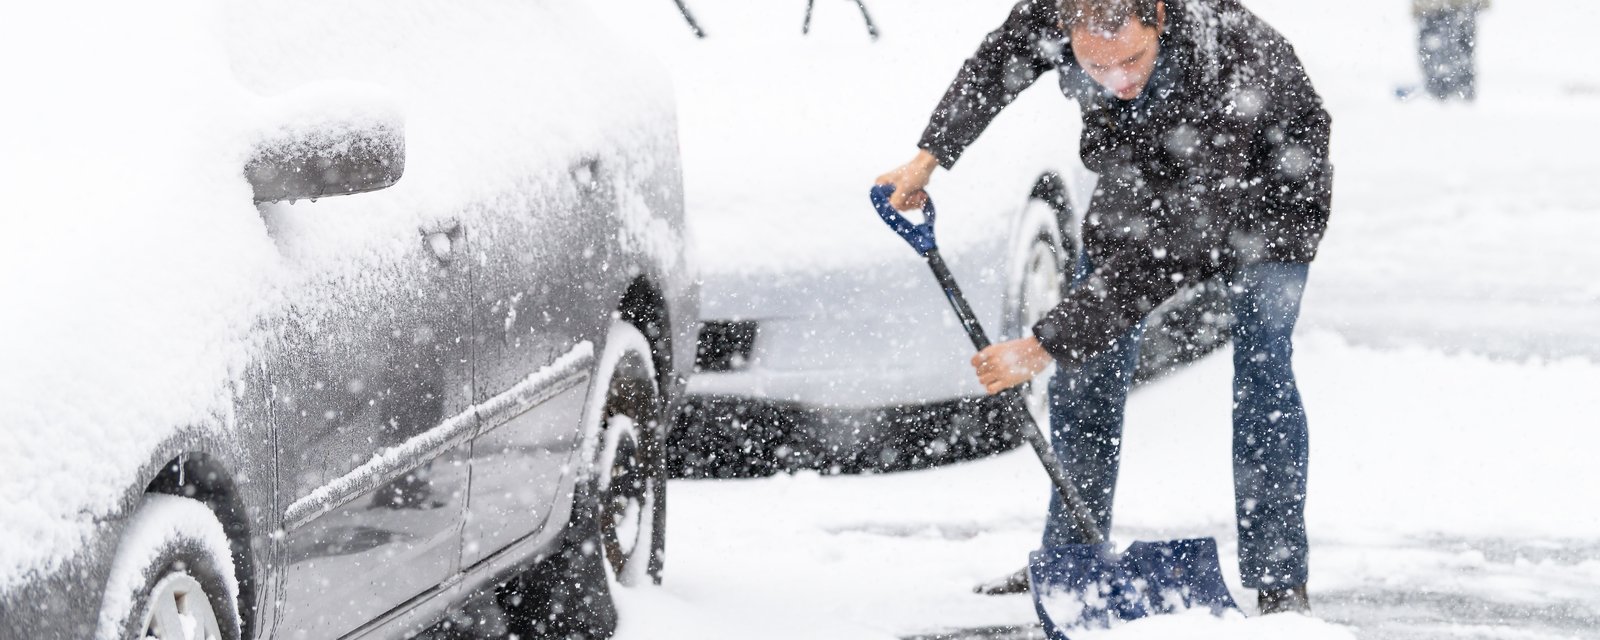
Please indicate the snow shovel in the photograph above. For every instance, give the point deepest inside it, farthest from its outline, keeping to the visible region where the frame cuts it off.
(1079, 585)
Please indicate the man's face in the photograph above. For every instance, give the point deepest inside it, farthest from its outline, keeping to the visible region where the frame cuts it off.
(1122, 61)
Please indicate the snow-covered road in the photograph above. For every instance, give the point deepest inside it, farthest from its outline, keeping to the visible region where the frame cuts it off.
(1449, 354)
(1430, 516)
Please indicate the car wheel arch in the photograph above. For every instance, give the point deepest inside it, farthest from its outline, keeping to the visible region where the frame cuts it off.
(191, 464)
(1052, 190)
(644, 306)
(208, 479)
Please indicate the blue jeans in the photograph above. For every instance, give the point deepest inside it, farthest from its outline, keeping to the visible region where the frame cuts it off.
(1269, 427)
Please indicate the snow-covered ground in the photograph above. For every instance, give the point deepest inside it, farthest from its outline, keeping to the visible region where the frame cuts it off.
(1430, 515)
(1449, 352)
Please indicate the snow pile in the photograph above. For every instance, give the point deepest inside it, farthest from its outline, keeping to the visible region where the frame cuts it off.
(140, 282)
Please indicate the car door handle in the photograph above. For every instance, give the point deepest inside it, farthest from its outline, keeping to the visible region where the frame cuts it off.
(587, 174)
(441, 239)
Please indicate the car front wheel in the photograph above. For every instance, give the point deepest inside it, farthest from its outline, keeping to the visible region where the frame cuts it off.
(173, 576)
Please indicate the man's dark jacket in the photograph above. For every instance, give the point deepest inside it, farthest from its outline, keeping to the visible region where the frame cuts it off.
(1221, 161)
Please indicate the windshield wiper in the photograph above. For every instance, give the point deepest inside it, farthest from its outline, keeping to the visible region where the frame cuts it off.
(689, 18)
(872, 29)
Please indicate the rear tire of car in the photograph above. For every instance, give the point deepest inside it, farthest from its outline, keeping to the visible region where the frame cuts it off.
(173, 576)
(614, 534)
(631, 440)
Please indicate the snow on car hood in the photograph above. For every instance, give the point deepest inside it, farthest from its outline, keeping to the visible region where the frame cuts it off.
(135, 269)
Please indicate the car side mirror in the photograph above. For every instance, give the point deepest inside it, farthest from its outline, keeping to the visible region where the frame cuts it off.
(327, 158)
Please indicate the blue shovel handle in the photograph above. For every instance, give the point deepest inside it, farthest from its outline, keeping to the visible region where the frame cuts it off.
(919, 236)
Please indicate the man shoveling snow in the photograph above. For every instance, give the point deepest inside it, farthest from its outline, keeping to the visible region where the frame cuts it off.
(1212, 150)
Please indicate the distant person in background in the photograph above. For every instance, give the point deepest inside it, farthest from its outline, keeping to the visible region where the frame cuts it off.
(1447, 33)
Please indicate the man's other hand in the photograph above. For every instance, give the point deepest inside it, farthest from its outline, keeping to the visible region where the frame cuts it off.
(909, 180)
(1010, 363)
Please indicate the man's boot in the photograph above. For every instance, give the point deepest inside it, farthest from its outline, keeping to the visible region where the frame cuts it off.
(1294, 599)
(1005, 586)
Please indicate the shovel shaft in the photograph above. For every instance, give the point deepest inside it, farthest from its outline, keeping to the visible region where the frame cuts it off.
(958, 302)
(1015, 410)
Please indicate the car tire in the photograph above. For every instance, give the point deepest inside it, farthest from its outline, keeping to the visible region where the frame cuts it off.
(616, 533)
(173, 576)
(628, 465)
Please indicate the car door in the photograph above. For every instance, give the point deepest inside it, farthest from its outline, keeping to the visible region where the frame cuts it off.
(372, 406)
(535, 321)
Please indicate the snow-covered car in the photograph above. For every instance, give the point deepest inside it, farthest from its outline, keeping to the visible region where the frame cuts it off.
(237, 406)
(825, 341)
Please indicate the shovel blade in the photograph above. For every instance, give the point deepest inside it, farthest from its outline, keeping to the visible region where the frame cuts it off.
(1086, 586)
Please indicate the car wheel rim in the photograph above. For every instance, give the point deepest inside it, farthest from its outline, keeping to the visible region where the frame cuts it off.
(181, 610)
(1041, 290)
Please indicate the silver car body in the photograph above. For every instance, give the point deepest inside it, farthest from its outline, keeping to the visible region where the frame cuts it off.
(389, 388)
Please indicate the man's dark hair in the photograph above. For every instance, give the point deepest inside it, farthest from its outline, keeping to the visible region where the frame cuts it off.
(1107, 15)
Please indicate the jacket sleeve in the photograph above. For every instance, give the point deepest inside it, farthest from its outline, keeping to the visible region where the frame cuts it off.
(1010, 59)
(1131, 277)
(1120, 291)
